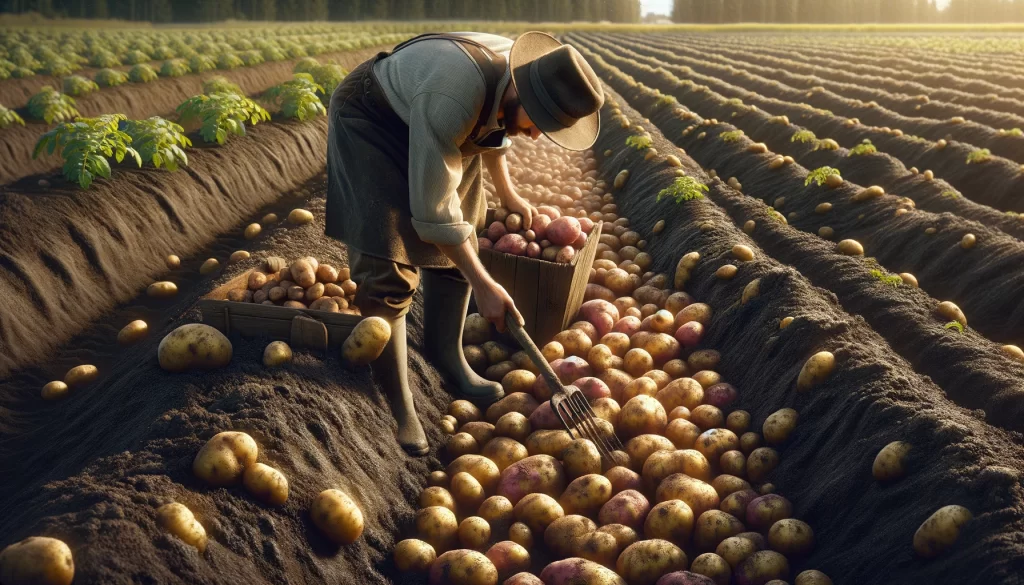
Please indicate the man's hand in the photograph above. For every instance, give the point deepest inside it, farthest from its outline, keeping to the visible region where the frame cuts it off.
(516, 204)
(493, 301)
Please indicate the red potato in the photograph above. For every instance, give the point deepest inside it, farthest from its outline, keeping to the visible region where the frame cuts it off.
(535, 474)
(628, 325)
(586, 225)
(532, 250)
(544, 417)
(593, 388)
(571, 368)
(549, 211)
(689, 334)
(580, 241)
(601, 314)
(565, 255)
(576, 570)
(540, 226)
(623, 478)
(721, 395)
(514, 244)
(508, 558)
(628, 507)
(496, 230)
(486, 244)
(684, 578)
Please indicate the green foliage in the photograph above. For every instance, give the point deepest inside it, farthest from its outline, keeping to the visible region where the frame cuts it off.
(142, 73)
(76, 85)
(328, 76)
(803, 136)
(221, 115)
(950, 194)
(734, 102)
(159, 141)
(104, 58)
(135, 57)
(229, 61)
(979, 156)
(1017, 132)
(731, 136)
(51, 106)
(251, 57)
(22, 72)
(201, 63)
(110, 77)
(220, 84)
(684, 189)
(863, 148)
(86, 144)
(273, 54)
(9, 118)
(666, 101)
(174, 68)
(306, 65)
(163, 53)
(954, 325)
(890, 279)
(297, 98)
(639, 142)
(820, 175)
(57, 67)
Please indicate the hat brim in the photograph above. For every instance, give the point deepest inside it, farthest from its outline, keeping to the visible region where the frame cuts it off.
(527, 48)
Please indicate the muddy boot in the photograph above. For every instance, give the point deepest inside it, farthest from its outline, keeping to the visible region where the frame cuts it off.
(391, 372)
(445, 302)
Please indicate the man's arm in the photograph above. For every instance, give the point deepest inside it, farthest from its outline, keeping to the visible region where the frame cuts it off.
(497, 167)
(492, 299)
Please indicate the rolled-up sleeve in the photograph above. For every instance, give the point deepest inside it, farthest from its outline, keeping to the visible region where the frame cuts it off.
(438, 124)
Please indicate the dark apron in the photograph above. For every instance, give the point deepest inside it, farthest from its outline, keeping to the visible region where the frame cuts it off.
(368, 176)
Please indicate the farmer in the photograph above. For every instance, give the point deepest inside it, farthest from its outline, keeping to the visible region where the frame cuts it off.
(410, 132)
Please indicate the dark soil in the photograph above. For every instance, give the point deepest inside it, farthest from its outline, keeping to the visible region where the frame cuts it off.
(94, 467)
(68, 255)
(863, 529)
(137, 101)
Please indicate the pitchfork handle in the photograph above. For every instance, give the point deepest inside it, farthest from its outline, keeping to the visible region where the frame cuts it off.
(531, 350)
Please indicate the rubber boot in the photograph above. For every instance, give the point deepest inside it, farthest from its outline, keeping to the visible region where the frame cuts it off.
(445, 301)
(391, 372)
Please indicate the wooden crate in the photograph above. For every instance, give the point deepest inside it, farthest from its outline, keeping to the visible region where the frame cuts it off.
(305, 328)
(547, 294)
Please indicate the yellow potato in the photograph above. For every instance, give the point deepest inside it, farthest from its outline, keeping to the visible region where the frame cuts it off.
(224, 457)
(736, 549)
(951, 312)
(513, 425)
(438, 527)
(581, 458)
(564, 536)
(734, 463)
(464, 412)
(714, 442)
(238, 256)
(474, 533)
(681, 392)
(414, 555)
(300, 217)
(483, 469)
(463, 567)
(749, 441)
(761, 567)
(462, 444)
(644, 562)
(267, 484)
(537, 511)
(738, 421)
(600, 547)
(367, 341)
(499, 512)
(682, 432)
(504, 451)
(132, 332)
(339, 517)
(518, 381)
(727, 485)
(54, 390)
(548, 442)
(641, 447)
(714, 526)
(437, 478)
(712, 566)
(816, 370)
(467, 491)
(662, 464)
(939, 532)
(162, 290)
(779, 425)
(697, 494)
(521, 534)
(586, 494)
(642, 415)
(791, 537)
(194, 346)
(251, 231)
(37, 560)
(277, 353)
(179, 521)
(437, 496)
(172, 262)
(736, 502)
(672, 521)
(890, 463)
(81, 375)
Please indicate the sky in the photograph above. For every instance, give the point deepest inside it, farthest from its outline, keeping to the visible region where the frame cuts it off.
(665, 6)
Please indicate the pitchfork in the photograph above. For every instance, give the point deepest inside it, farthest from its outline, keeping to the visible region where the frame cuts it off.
(568, 402)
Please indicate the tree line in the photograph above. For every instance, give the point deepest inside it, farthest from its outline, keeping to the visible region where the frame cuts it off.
(337, 10)
(847, 11)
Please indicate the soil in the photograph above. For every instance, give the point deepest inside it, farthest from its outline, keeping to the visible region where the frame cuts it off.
(863, 529)
(92, 468)
(138, 101)
(68, 255)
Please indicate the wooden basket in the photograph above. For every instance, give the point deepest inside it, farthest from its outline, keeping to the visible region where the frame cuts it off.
(546, 293)
(301, 328)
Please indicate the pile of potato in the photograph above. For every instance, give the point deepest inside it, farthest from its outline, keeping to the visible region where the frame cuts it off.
(552, 236)
(303, 284)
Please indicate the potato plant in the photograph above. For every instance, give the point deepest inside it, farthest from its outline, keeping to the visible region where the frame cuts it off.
(76, 85)
(104, 58)
(221, 114)
(220, 84)
(175, 68)
(9, 118)
(142, 73)
(52, 106)
(328, 76)
(135, 56)
(684, 189)
(86, 144)
(229, 61)
(201, 63)
(57, 66)
(297, 98)
(110, 77)
(159, 141)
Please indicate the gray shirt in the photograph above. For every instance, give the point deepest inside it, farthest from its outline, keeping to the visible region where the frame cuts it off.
(436, 88)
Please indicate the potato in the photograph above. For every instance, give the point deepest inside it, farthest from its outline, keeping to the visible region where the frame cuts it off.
(37, 560)
(523, 578)
(682, 392)
(564, 536)
(726, 485)
(513, 425)
(81, 375)
(521, 534)
(766, 510)
(642, 415)
(467, 491)
(586, 494)
(608, 409)
(548, 442)
(461, 444)
(671, 520)
(518, 381)
(749, 441)
(172, 262)
(496, 352)
(738, 421)
(178, 520)
(266, 484)
(699, 312)
(481, 431)
(509, 558)
(712, 566)
(193, 346)
(761, 567)
(890, 463)
(707, 378)
(736, 502)
(600, 547)
(714, 442)
(133, 332)
(575, 342)
(162, 290)
(735, 549)
(537, 511)
(640, 386)
(703, 359)
(779, 425)
(437, 478)
(577, 570)
(339, 517)
(714, 526)
(697, 494)
(277, 353)
(436, 496)
(300, 216)
(939, 532)
(504, 451)
(209, 266)
(623, 478)
(707, 416)
(641, 447)
(414, 555)
(791, 537)
(662, 464)
(637, 361)
(313, 293)
(54, 390)
(628, 507)
(474, 533)
(817, 368)
(580, 458)
(367, 341)
(535, 474)
(435, 525)
(447, 424)
(644, 562)
(812, 577)
(223, 458)
(462, 567)
(733, 462)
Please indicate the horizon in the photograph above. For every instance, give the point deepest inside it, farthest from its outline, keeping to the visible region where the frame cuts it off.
(665, 6)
